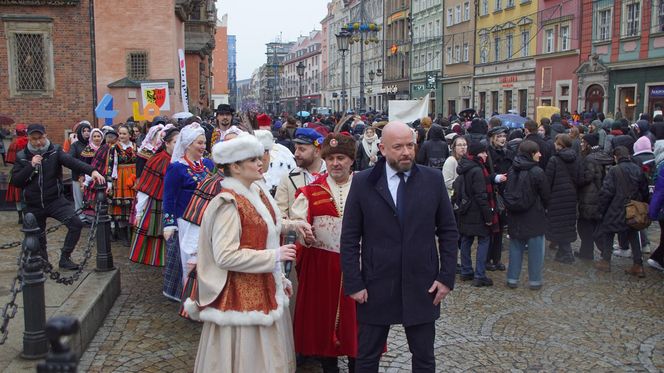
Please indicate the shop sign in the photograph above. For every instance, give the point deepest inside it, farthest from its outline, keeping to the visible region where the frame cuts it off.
(418, 87)
(509, 79)
(657, 91)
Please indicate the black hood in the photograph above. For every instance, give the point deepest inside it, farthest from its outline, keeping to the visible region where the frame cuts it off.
(567, 155)
(523, 162)
(465, 165)
(436, 132)
(601, 157)
(79, 133)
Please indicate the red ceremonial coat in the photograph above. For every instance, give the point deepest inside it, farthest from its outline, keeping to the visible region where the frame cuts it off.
(325, 322)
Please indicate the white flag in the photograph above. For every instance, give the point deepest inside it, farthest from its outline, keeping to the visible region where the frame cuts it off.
(408, 110)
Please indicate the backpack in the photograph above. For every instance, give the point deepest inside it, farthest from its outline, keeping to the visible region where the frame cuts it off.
(518, 195)
(460, 200)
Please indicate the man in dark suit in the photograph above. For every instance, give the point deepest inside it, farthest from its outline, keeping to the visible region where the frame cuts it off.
(390, 262)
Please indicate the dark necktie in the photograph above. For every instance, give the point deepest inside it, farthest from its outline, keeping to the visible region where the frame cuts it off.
(401, 197)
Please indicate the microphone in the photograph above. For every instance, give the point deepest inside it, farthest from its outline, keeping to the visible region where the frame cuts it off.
(291, 236)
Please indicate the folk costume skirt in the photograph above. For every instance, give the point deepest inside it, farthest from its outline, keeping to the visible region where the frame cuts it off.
(251, 348)
(123, 192)
(173, 269)
(147, 244)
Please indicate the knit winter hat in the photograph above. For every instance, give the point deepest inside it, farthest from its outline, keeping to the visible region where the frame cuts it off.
(338, 143)
(592, 139)
(642, 145)
(476, 148)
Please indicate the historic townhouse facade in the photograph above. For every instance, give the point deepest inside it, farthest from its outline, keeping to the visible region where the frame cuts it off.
(426, 56)
(459, 56)
(306, 50)
(505, 43)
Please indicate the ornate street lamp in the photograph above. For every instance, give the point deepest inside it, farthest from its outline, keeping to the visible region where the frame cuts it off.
(343, 41)
(300, 73)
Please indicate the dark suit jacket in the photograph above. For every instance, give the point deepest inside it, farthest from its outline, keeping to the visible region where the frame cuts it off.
(397, 263)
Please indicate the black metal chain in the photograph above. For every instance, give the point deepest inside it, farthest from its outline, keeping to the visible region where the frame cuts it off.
(57, 276)
(11, 308)
(48, 230)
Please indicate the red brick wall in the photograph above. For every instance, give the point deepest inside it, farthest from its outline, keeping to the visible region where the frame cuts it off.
(72, 97)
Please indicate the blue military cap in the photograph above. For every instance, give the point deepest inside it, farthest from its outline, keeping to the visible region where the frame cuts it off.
(308, 136)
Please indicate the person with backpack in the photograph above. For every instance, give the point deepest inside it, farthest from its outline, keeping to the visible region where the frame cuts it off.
(476, 208)
(562, 172)
(526, 197)
(434, 151)
(500, 161)
(595, 163)
(623, 182)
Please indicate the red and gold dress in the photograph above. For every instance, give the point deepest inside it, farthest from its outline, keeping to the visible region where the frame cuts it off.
(122, 173)
(325, 320)
(241, 290)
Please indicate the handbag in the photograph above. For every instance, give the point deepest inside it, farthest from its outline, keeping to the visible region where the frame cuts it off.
(636, 212)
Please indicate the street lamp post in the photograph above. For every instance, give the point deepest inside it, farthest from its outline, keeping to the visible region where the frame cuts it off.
(343, 39)
(300, 72)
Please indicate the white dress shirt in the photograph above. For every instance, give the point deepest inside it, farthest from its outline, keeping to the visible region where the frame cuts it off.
(393, 181)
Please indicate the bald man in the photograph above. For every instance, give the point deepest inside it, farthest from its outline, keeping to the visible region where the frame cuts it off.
(391, 264)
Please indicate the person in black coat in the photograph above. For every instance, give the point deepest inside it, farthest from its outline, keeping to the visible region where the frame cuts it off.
(434, 151)
(563, 174)
(545, 150)
(398, 250)
(499, 162)
(38, 171)
(525, 227)
(82, 139)
(625, 181)
(595, 163)
(481, 218)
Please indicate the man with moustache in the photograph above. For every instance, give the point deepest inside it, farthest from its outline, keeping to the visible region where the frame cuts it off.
(224, 117)
(391, 265)
(325, 325)
(38, 171)
(309, 165)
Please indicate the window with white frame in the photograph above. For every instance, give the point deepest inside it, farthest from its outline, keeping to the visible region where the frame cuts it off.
(430, 33)
(496, 49)
(485, 7)
(509, 44)
(658, 16)
(525, 43)
(510, 3)
(631, 18)
(457, 14)
(499, 5)
(457, 53)
(450, 20)
(465, 52)
(466, 11)
(30, 56)
(548, 41)
(448, 55)
(603, 24)
(564, 38)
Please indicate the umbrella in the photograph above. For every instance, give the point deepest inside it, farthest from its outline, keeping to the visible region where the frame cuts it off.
(5, 120)
(512, 120)
(303, 114)
(182, 115)
(467, 112)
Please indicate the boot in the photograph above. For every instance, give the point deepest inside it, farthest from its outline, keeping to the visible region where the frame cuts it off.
(67, 263)
(126, 235)
(114, 233)
(636, 270)
(20, 217)
(603, 266)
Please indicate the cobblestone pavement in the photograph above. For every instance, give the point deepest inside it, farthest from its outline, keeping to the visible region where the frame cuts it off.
(581, 320)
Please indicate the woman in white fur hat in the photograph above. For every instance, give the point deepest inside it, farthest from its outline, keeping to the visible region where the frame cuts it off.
(242, 293)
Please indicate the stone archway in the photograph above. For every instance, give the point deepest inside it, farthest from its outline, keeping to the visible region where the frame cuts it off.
(595, 98)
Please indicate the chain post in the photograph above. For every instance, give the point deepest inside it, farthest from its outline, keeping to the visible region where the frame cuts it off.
(35, 345)
(104, 254)
(61, 359)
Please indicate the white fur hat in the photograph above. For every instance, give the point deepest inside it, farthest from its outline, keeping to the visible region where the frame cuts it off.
(240, 148)
(265, 137)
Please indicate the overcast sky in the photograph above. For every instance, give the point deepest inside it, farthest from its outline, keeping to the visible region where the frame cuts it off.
(255, 23)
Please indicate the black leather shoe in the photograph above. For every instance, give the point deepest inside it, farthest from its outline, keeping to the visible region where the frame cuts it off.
(67, 263)
(469, 277)
(500, 267)
(480, 282)
(490, 267)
